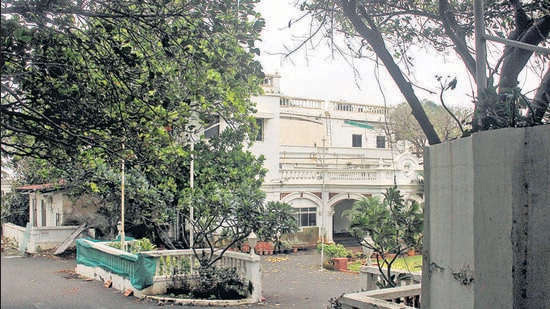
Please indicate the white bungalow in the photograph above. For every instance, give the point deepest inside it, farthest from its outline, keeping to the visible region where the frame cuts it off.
(322, 156)
(53, 218)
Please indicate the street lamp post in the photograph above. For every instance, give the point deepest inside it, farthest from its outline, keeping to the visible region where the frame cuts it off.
(121, 230)
(323, 205)
(192, 185)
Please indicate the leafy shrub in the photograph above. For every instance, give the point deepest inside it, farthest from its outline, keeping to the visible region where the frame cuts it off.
(213, 283)
(143, 244)
(333, 251)
(277, 219)
(136, 246)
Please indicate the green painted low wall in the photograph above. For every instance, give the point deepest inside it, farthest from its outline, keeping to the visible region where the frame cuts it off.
(138, 268)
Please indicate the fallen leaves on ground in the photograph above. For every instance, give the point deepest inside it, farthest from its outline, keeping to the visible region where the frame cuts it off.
(277, 259)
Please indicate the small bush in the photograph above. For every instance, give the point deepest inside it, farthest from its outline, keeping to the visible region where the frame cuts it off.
(212, 283)
(136, 246)
(143, 244)
(333, 251)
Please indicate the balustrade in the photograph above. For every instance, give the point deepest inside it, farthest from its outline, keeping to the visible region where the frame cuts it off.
(299, 102)
(341, 176)
(357, 108)
(369, 275)
(168, 264)
(401, 297)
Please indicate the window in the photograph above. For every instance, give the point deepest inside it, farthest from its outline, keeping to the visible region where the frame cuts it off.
(260, 125)
(356, 140)
(34, 212)
(380, 142)
(43, 212)
(213, 127)
(306, 216)
(267, 81)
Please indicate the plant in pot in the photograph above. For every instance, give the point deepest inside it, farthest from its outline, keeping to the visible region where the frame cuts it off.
(335, 255)
(277, 220)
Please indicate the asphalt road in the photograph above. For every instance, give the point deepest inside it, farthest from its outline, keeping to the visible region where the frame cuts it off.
(289, 281)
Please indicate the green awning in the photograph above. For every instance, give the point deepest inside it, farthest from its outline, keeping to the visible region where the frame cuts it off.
(360, 124)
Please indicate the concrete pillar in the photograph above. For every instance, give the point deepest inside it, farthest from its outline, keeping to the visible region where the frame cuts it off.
(254, 273)
(486, 221)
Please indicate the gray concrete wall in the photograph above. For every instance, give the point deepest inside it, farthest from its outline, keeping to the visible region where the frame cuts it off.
(486, 221)
(448, 227)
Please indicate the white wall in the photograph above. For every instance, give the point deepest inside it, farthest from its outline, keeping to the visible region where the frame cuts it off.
(268, 109)
(486, 221)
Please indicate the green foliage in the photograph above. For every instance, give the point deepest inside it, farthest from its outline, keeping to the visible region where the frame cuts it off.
(88, 87)
(135, 66)
(226, 197)
(389, 227)
(333, 251)
(142, 244)
(403, 126)
(407, 263)
(136, 246)
(275, 221)
(15, 208)
(214, 283)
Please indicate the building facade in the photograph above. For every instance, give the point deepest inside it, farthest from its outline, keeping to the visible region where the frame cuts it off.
(322, 156)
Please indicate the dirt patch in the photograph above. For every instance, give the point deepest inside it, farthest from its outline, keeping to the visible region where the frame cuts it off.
(69, 254)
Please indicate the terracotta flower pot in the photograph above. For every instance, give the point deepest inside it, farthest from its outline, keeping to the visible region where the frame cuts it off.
(260, 245)
(341, 264)
(269, 247)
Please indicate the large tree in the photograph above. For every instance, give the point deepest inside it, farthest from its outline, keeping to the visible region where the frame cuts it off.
(89, 85)
(94, 75)
(388, 29)
(448, 124)
(226, 198)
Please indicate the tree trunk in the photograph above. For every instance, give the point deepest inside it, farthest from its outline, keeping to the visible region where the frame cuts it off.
(541, 100)
(516, 58)
(377, 43)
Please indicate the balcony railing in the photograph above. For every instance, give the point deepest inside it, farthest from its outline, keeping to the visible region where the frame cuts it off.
(357, 108)
(300, 102)
(332, 106)
(340, 176)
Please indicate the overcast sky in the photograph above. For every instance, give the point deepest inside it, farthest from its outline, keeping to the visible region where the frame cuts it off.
(321, 77)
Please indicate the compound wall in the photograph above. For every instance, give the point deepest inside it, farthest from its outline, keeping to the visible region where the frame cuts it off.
(487, 219)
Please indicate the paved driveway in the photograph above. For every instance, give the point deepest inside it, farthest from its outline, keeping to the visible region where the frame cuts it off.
(289, 281)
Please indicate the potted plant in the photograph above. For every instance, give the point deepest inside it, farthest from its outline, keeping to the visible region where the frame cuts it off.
(336, 255)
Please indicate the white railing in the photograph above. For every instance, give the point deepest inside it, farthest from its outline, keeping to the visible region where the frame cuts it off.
(407, 295)
(393, 298)
(174, 263)
(370, 275)
(178, 262)
(341, 176)
(169, 264)
(357, 108)
(300, 102)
